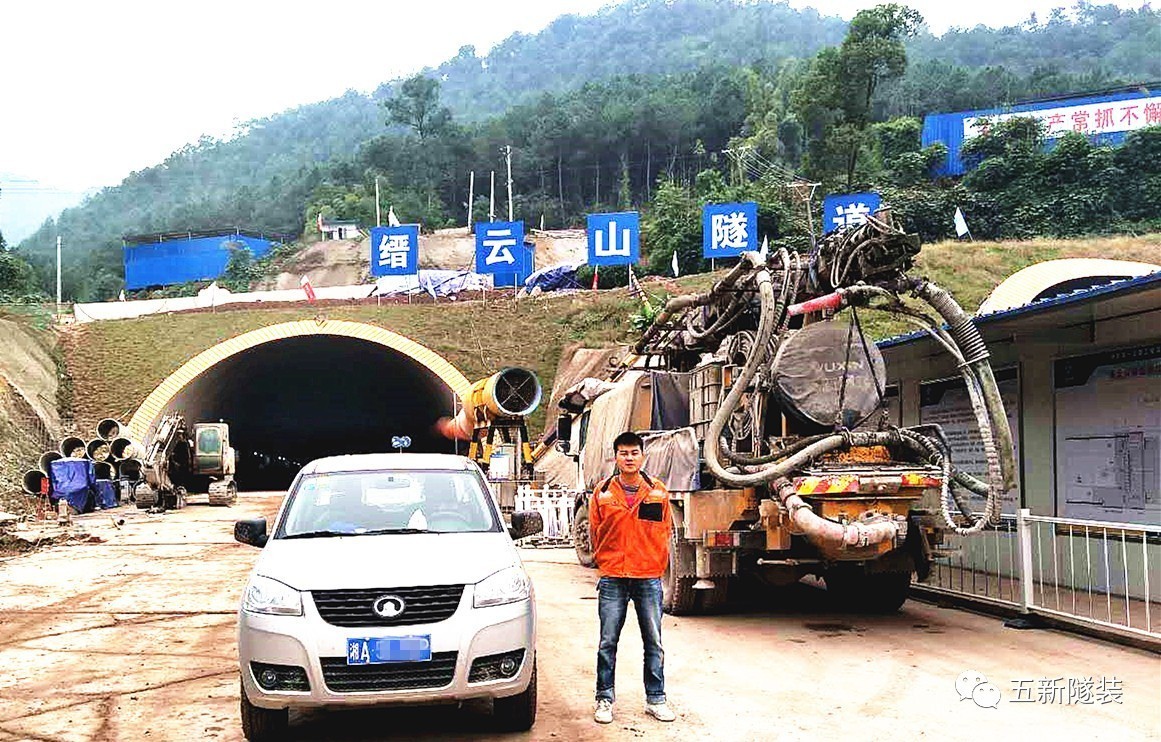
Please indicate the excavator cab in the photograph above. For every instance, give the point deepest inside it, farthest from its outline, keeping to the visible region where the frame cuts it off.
(211, 444)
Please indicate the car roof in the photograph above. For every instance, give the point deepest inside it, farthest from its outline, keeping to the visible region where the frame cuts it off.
(388, 462)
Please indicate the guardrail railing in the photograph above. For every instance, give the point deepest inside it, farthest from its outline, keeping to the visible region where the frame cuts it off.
(1096, 573)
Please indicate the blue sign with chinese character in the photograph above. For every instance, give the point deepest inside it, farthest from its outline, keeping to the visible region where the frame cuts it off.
(848, 210)
(499, 247)
(614, 239)
(395, 250)
(728, 230)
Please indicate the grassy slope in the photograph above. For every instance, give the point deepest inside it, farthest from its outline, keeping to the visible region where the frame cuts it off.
(114, 365)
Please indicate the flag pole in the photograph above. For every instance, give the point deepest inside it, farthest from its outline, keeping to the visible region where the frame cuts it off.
(378, 214)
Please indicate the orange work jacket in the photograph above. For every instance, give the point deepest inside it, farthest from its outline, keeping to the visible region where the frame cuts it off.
(630, 541)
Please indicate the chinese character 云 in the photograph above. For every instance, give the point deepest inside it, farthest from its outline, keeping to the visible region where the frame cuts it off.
(393, 250)
(1080, 690)
(729, 231)
(499, 243)
(1023, 690)
(1051, 690)
(1108, 690)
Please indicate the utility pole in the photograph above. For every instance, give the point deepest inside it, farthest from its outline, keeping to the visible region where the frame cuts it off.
(492, 199)
(508, 159)
(804, 190)
(378, 215)
(58, 295)
(471, 197)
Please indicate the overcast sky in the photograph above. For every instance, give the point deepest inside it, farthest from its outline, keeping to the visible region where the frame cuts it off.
(90, 91)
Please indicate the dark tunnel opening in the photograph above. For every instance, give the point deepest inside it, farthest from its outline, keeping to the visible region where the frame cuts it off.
(293, 400)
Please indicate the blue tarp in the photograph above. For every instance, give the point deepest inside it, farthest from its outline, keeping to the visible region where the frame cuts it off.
(106, 494)
(75, 480)
(554, 277)
(180, 260)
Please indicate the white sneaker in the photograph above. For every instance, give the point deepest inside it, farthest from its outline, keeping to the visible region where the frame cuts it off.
(660, 711)
(604, 712)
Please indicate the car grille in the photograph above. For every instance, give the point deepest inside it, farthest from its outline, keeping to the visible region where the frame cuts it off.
(353, 607)
(343, 678)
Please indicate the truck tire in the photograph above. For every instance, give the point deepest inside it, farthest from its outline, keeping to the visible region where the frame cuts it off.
(259, 724)
(714, 600)
(678, 598)
(581, 539)
(517, 713)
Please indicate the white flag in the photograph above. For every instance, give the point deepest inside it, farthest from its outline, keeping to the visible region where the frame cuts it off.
(675, 272)
(392, 220)
(122, 296)
(960, 225)
(764, 251)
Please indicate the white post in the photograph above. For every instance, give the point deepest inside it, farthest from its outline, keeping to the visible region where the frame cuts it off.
(508, 159)
(58, 294)
(378, 216)
(1024, 544)
(471, 198)
(492, 199)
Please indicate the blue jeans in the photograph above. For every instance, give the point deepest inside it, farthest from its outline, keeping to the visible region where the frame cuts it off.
(614, 594)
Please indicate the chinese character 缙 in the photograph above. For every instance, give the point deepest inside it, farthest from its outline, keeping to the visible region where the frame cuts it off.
(393, 250)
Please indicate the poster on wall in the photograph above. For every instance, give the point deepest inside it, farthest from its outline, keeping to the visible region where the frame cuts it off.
(1108, 435)
(946, 403)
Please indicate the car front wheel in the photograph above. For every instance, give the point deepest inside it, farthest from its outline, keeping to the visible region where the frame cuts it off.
(517, 713)
(259, 724)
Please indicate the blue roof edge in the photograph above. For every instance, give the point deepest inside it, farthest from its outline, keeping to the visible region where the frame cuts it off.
(1127, 285)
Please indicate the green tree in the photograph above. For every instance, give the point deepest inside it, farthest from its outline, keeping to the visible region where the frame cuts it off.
(835, 98)
(417, 106)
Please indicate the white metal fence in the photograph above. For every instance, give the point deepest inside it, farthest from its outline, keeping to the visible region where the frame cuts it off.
(555, 507)
(1094, 573)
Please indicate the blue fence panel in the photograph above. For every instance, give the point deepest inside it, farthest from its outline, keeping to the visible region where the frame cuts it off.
(1105, 119)
(181, 260)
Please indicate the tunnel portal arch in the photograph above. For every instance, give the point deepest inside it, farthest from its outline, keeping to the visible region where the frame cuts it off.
(342, 358)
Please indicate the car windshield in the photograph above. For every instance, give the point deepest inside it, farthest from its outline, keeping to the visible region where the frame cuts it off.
(376, 502)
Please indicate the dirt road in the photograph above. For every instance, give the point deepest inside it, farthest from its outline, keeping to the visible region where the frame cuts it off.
(134, 639)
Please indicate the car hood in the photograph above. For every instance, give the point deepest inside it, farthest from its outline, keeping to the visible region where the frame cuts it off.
(392, 560)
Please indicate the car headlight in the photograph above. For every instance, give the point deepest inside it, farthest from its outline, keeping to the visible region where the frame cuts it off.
(506, 586)
(264, 595)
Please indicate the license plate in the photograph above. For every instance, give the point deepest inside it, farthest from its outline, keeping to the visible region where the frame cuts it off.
(379, 650)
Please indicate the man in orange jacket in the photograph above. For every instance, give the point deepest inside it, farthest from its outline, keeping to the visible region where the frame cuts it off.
(630, 521)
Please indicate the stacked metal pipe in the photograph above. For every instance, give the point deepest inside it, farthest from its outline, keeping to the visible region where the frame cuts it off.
(114, 456)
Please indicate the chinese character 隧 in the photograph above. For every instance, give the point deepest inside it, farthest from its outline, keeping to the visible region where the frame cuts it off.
(1080, 690)
(1051, 690)
(729, 231)
(1108, 690)
(1023, 690)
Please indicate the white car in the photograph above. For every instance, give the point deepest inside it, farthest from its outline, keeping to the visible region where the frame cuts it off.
(387, 579)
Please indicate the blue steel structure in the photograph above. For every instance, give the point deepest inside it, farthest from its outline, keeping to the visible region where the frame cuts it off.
(949, 127)
(178, 257)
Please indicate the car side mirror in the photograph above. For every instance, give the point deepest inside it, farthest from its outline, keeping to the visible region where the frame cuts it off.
(563, 433)
(252, 532)
(526, 523)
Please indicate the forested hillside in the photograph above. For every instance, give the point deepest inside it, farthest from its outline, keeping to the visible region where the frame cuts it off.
(633, 107)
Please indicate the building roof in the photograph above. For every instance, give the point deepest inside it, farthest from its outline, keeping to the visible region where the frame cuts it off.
(1056, 277)
(1141, 293)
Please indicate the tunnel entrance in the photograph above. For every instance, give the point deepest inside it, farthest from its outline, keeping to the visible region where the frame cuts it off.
(293, 398)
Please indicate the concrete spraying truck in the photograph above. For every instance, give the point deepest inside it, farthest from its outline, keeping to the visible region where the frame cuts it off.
(762, 406)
